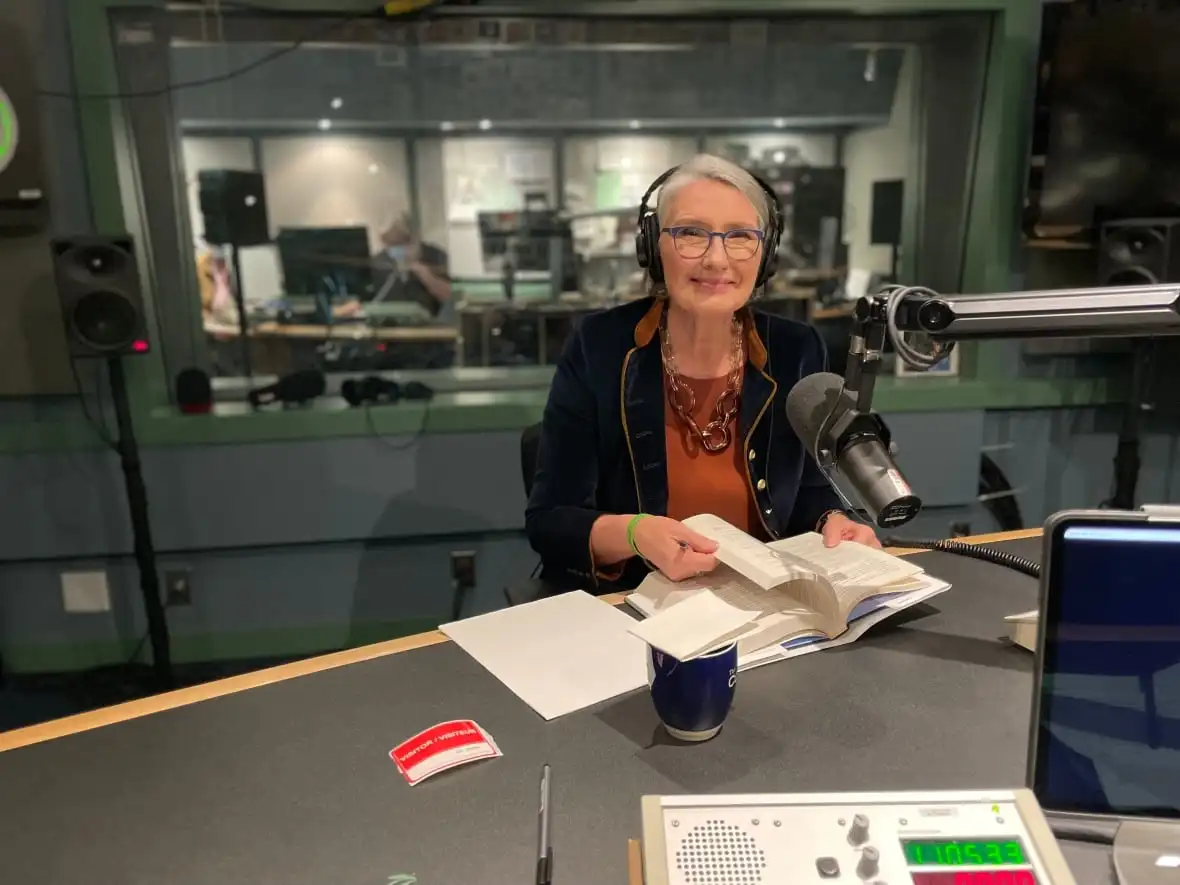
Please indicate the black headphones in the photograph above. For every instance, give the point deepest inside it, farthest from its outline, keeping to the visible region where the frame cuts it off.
(647, 239)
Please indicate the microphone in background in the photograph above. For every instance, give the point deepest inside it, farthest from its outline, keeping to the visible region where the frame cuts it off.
(853, 444)
(296, 389)
(194, 392)
(377, 391)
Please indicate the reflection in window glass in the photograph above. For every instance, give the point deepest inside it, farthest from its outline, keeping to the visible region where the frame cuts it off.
(434, 205)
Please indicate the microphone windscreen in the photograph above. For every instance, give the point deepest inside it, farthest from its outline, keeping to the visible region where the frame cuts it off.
(811, 404)
(194, 392)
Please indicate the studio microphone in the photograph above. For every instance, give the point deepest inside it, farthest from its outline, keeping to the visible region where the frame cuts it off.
(853, 444)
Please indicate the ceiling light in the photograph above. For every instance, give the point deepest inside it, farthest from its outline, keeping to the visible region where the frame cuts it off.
(634, 124)
(337, 103)
(780, 123)
(325, 124)
(780, 156)
(485, 124)
(446, 125)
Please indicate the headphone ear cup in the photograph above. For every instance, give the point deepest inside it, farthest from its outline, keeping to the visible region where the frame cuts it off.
(641, 248)
(650, 231)
(769, 263)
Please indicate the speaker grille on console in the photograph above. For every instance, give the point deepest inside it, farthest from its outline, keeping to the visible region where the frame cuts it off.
(720, 853)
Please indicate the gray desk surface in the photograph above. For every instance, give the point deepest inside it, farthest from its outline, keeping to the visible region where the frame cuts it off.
(291, 783)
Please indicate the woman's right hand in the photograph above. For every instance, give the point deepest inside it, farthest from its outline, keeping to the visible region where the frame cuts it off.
(673, 548)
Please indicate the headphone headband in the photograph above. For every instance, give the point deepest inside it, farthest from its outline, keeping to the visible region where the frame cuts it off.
(647, 239)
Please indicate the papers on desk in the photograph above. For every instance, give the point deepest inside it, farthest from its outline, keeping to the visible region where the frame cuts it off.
(559, 654)
(1022, 629)
(701, 622)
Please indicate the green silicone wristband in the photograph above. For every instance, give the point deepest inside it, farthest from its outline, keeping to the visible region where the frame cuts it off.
(631, 534)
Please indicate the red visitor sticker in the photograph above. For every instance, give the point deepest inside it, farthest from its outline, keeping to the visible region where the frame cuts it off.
(442, 746)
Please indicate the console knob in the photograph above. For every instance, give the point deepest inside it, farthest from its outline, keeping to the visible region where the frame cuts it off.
(869, 863)
(858, 834)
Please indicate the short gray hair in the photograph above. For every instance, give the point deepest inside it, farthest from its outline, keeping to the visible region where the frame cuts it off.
(706, 167)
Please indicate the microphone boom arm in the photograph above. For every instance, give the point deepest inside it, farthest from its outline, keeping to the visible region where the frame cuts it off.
(897, 311)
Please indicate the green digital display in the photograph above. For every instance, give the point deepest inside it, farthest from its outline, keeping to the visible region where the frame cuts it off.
(963, 852)
(8, 131)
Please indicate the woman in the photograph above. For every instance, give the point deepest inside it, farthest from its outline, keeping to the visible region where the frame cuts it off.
(669, 406)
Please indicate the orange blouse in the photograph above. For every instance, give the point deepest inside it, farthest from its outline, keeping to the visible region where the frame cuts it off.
(700, 481)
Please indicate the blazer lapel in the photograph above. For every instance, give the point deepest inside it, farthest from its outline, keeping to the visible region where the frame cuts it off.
(643, 426)
(757, 391)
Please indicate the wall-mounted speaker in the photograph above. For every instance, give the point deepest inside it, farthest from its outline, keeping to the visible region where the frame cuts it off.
(816, 209)
(101, 300)
(1139, 252)
(233, 207)
(23, 202)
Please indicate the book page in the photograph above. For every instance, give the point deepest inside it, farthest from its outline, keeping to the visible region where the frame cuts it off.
(781, 613)
(747, 555)
(848, 563)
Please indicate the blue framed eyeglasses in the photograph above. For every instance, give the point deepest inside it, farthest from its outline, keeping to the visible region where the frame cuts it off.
(693, 242)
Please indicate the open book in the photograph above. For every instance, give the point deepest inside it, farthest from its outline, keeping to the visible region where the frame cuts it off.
(781, 596)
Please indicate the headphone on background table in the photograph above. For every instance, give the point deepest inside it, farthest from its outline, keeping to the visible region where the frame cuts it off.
(647, 238)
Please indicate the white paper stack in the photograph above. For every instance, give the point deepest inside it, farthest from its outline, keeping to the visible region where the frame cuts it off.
(701, 622)
(558, 654)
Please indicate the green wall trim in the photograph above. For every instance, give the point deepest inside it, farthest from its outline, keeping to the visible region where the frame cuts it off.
(203, 648)
(483, 412)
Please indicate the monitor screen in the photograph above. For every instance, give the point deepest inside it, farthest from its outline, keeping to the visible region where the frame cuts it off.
(1108, 735)
(326, 261)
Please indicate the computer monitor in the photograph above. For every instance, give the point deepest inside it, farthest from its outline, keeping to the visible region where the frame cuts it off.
(528, 238)
(332, 262)
(1106, 719)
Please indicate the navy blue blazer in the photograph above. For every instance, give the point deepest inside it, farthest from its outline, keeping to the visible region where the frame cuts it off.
(603, 450)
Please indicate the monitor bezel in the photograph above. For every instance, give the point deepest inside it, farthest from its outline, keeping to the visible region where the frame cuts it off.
(1053, 550)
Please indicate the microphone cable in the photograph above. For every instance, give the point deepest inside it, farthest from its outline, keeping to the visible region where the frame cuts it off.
(971, 551)
(906, 352)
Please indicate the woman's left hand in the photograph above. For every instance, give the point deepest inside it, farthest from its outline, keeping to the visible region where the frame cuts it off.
(839, 527)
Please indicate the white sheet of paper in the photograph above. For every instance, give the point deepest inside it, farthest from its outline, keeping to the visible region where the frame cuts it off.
(1024, 617)
(558, 654)
(694, 625)
(745, 554)
(848, 564)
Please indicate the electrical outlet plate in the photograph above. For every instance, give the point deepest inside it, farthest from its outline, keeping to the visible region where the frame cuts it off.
(463, 567)
(85, 592)
(178, 587)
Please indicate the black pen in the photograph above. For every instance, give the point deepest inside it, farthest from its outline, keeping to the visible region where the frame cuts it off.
(544, 822)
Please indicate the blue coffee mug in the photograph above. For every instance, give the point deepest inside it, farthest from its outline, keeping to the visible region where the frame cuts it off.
(692, 698)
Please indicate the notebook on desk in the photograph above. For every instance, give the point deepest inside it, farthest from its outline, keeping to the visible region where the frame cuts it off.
(797, 595)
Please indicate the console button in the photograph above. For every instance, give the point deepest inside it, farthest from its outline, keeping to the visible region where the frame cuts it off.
(827, 867)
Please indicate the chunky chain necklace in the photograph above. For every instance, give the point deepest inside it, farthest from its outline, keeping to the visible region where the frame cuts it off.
(715, 436)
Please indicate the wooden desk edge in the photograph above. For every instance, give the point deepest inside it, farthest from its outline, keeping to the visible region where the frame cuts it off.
(33, 734)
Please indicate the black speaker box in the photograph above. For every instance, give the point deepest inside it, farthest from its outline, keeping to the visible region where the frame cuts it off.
(885, 223)
(233, 207)
(101, 301)
(23, 202)
(1139, 252)
(817, 214)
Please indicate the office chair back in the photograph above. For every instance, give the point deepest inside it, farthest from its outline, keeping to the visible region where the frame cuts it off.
(530, 448)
